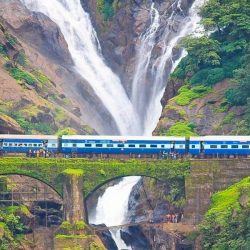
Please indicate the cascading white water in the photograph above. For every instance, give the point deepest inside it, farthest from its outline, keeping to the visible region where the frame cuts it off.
(158, 75)
(112, 207)
(145, 47)
(85, 50)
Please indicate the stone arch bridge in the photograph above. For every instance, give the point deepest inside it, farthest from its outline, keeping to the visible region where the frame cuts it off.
(201, 177)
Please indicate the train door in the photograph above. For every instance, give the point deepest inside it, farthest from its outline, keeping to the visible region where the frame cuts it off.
(172, 146)
(187, 143)
(202, 148)
(45, 145)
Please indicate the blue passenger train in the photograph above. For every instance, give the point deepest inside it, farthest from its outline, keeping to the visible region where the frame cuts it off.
(127, 145)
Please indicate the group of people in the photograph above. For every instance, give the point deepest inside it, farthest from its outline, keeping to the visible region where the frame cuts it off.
(38, 153)
(172, 218)
(171, 155)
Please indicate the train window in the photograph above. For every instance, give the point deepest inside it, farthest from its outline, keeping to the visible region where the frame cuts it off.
(88, 145)
(65, 144)
(16, 144)
(245, 146)
(53, 145)
(181, 146)
(163, 146)
(193, 146)
(120, 145)
(131, 145)
(213, 146)
(35, 145)
(30, 145)
(40, 145)
(224, 146)
(20, 145)
(25, 144)
(142, 146)
(74, 145)
(5, 144)
(153, 146)
(234, 146)
(110, 145)
(98, 145)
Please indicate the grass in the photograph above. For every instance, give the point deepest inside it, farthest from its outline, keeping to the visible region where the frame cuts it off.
(188, 94)
(75, 172)
(180, 129)
(72, 236)
(224, 202)
(22, 76)
(228, 118)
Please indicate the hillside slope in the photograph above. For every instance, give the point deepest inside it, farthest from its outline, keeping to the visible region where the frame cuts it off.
(215, 80)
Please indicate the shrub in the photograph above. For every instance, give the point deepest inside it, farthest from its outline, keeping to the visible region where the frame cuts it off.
(11, 39)
(215, 75)
(21, 75)
(228, 118)
(106, 8)
(2, 49)
(208, 76)
(66, 131)
(181, 129)
(187, 94)
(21, 58)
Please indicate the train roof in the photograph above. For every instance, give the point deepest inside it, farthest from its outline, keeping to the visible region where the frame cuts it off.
(34, 137)
(220, 138)
(123, 138)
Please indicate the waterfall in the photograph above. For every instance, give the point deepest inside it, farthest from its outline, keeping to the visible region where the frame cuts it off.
(154, 70)
(85, 51)
(112, 207)
(145, 48)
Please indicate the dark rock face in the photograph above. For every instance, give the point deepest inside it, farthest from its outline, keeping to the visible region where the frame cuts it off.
(106, 237)
(135, 238)
(37, 30)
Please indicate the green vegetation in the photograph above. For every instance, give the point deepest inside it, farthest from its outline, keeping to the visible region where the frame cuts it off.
(188, 93)
(80, 225)
(11, 228)
(107, 8)
(66, 131)
(180, 129)
(2, 50)
(11, 39)
(225, 54)
(72, 236)
(228, 118)
(227, 222)
(21, 75)
(76, 172)
(21, 58)
(50, 170)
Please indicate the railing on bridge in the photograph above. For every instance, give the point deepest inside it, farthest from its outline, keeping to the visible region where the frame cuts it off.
(40, 199)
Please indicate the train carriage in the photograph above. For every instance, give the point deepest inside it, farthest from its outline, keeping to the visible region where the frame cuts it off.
(220, 145)
(27, 143)
(122, 145)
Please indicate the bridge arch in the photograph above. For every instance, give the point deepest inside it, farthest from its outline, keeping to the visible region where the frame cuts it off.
(35, 178)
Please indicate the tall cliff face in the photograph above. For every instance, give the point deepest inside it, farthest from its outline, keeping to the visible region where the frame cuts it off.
(45, 49)
(120, 36)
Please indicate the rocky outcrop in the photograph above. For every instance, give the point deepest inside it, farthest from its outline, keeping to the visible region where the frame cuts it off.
(9, 125)
(208, 113)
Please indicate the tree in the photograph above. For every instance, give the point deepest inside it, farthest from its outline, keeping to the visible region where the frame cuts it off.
(204, 49)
